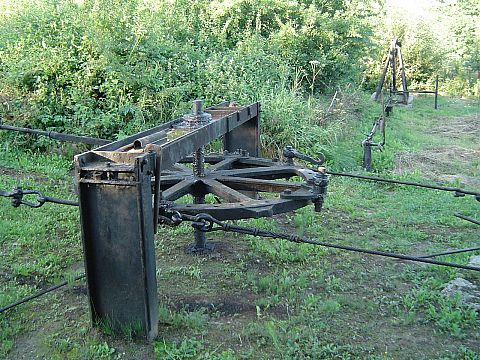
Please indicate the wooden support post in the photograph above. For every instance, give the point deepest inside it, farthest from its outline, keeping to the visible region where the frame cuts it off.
(382, 78)
(393, 64)
(403, 76)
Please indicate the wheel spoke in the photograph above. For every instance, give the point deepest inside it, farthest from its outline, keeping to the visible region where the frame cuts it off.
(225, 164)
(170, 180)
(269, 172)
(254, 161)
(225, 192)
(178, 190)
(241, 183)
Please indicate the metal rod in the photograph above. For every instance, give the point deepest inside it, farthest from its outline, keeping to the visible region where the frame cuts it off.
(436, 92)
(393, 53)
(58, 136)
(461, 216)
(410, 183)
(205, 222)
(382, 77)
(416, 92)
(198, 165)
(43, 292)
(60, 201)
(403, 76)
(199, 170)
(450, 252)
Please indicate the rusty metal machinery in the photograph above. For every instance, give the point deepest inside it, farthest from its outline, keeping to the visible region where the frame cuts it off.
(230, 175)
(125, 185)
(396, 64)
(128, 187)
(378, 126)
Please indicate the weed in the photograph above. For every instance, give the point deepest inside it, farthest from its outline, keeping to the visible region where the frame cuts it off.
(447, 313)
(191, 271)
(188, 348)
(100, 351)
(333, 283)
(182, 318)
(281, 286)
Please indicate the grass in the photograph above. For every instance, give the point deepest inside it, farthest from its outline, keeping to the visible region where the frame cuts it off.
(259, 298)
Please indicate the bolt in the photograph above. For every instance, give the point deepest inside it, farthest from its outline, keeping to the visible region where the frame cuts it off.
(197, 107)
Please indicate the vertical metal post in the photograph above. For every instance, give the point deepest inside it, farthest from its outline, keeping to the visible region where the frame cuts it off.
(436, 92)
(118, 243)
(367, 156)
(198, 165)
(200, 244)
(393, 65)
(247, 138)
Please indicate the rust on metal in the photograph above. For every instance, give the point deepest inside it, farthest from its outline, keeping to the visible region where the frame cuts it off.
(124, 184)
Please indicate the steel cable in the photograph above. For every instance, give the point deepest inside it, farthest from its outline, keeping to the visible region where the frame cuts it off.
(18, 193)
(464, 217)
(457, 191)
(40, 293)
(205, 223)
(58, 136)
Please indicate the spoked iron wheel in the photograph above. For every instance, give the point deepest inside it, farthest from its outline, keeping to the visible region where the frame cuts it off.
(240, 185)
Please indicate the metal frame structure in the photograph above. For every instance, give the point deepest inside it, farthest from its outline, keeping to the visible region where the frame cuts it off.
(397, 68)
(395, 63)
(128, 187)
(124, 185)
(378, 125)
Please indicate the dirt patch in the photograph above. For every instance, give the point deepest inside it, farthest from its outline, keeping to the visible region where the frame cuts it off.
(226, 305)
(31, 280)
(19, 175)
(459, 127)
(445, 164)
(450, 162)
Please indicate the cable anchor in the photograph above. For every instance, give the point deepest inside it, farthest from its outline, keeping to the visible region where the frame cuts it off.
(289, 153)
(17, 195)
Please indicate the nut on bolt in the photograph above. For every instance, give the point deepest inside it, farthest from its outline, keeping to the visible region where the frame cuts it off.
(320, 183)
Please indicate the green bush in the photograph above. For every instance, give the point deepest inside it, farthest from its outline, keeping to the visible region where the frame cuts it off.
(110, 68)
(444, 41)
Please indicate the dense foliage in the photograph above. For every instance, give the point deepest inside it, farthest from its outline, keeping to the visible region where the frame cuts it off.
(438, 38)
(111, 67)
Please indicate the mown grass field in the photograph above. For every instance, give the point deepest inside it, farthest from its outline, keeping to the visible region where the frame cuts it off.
(259, 299)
